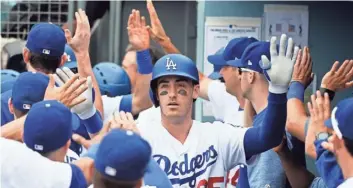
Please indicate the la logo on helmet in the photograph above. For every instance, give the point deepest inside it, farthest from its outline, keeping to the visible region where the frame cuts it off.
(170, 64)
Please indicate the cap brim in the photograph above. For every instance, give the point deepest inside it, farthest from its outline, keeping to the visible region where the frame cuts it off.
(217, 59)
(215, 76)
(235, 63)
(328, 123)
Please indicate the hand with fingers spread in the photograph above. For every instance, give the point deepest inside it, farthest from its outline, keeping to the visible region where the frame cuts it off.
(123, 120)
(156, 29)
(319, 109)
(303, 68)
(85, 109)
(280, 69)
(80, 42)
(95, 140)
(339, 78)
(68, 93)
(139, 36)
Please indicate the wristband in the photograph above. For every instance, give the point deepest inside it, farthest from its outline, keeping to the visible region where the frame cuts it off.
(144, 62)
(296, 90)
(93, 124)
(331, 94)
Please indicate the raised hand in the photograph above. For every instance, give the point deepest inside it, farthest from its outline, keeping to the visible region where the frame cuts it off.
(123, 120)
(80, 42)
(319, 109)
(68, 93)
(303, 68)
(156, 29)
(95, 140)
(139, 36)
(85, 109)
(280, 69)
(339, 78)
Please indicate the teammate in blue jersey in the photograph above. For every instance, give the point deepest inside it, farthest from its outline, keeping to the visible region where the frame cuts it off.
(267, 170)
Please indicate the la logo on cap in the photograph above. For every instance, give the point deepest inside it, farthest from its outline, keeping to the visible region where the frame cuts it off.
(249, 63)
(170, 63)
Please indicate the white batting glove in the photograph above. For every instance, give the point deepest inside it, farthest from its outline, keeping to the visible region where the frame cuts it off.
(85, 109)
(280, 69)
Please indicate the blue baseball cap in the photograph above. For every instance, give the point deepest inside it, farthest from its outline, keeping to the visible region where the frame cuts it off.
(342, 119)
(252, 56)
(28, 89)
(46, 38)
(123, 156)
(236, 47)
(71, 58)
(47, 126)
(7, 85)
(217, 58)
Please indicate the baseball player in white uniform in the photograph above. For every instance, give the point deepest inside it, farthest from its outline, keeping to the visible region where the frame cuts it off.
(195, 154)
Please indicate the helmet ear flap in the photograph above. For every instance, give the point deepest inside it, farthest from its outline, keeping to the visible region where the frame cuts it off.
(153, 93)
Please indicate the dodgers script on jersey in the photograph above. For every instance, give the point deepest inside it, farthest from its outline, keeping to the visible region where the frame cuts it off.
(209, 152)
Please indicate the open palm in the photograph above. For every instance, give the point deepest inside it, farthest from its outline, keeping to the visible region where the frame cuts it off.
(138, 34)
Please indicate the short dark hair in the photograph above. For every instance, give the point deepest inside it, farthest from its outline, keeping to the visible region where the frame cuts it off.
(99, 181)
(44, 63)
(156, 52)
(19, 113)
(348, 143)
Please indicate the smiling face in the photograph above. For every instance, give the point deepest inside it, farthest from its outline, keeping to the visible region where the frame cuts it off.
(175, 95)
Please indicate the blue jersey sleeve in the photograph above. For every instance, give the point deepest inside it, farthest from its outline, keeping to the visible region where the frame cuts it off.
(327, 166)
(78, 179)
(126, 103)
(155, 176)
(269, 134)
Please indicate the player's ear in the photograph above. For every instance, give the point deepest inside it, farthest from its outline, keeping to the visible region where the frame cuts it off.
(195, 93)
(25, 54)
(9, 103)
(63, 60)
(251, 77)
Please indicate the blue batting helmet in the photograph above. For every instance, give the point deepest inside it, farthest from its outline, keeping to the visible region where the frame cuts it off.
(71, 62)
(173, 65)
(8, 78)
(112, 79)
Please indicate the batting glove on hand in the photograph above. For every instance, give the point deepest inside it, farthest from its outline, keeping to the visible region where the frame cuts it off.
(279, 70)
(85, 109)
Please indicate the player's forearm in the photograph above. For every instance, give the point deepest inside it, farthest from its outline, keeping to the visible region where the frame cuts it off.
(309, 144)
(85, 70)
(263, 137)
(14, 129)
(141, 98)
(296, 115)
(297, 174)
(327, 166)
(168, 46)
